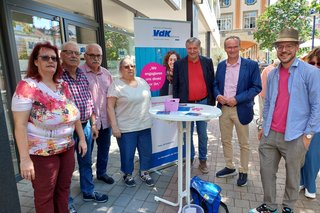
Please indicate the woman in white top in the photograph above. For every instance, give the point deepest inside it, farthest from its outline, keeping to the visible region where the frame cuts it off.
(128, 109)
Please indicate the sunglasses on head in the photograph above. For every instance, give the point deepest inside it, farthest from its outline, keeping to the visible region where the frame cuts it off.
(47, 58)
(129, 66)
(314, 63)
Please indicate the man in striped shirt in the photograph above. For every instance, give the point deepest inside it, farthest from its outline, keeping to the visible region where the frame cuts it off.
(79, 87)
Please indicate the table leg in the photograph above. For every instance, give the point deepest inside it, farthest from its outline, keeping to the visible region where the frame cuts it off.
(181, 192)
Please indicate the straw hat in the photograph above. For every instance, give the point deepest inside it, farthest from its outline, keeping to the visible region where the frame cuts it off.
(288, 34)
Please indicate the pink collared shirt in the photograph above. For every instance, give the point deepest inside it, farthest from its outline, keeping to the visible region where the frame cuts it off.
(99, 84)
(231, 79)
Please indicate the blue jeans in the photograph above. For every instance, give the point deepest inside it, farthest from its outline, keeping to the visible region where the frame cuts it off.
(85, 163)
(311, 166)
(103, 143)
(127, 146)
(201, 127)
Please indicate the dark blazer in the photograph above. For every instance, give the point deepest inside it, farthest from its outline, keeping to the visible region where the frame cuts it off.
(181, 80)
(165, 88)
(249, 85)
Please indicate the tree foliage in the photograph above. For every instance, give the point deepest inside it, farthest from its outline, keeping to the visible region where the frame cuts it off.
(284, 13)
(114, 42)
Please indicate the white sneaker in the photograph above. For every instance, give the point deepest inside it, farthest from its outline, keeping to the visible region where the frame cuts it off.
(301, 187)
(309, 195)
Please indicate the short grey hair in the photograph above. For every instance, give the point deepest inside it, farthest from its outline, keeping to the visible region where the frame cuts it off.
(68, 43)
(231, 37)
(193, 40)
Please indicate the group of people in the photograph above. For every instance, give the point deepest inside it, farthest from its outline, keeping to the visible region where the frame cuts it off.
(61, 107)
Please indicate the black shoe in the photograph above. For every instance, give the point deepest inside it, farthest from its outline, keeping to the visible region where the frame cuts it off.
(287, 210)
(129, 181)
(107, 179)
(96, 196)
(242, 180)
(263, 209)
(225, 172)
(145, 177)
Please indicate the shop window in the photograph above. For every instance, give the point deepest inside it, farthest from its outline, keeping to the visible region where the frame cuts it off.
(6, 109)
(119, 44)
(249, 19)
(29, 30)
(250, 2)
(225, 3)
(225, 22)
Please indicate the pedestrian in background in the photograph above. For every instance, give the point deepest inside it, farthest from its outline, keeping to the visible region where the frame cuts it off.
(236, 84)
(168, 61)
(309, 171)
(79, 87)
(99, 79)
(45, 118)
(129, 100)
(193, 78)
(291, 116)
(264, 75)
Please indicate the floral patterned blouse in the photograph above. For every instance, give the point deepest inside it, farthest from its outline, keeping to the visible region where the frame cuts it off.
(52, 116)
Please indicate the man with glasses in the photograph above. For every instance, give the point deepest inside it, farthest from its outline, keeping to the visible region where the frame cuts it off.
(291, 116)
(236, 84)
(79, 87)
(99, 81)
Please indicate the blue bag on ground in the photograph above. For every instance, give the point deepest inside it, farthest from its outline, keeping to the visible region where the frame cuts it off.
(207, 195)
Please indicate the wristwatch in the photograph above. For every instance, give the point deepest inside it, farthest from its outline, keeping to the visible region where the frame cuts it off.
(309, 136)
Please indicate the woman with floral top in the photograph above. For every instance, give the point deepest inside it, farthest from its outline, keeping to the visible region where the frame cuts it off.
(45, 117)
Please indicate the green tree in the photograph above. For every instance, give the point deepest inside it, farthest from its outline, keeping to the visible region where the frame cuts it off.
(284, 13)
(114, 42)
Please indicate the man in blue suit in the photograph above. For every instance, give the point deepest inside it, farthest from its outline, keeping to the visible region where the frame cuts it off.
(193, 78)
(236, 84)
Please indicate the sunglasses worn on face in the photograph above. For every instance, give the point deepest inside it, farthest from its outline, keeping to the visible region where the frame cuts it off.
(71, 52)
(130, 66)
(47, 58)
(314, 63)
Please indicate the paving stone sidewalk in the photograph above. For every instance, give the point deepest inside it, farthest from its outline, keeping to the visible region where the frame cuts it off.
(141, 197)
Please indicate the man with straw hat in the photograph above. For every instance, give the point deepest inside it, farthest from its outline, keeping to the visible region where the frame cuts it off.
(291, 116)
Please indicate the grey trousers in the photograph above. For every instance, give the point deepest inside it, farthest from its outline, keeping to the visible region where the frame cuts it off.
(271, 149)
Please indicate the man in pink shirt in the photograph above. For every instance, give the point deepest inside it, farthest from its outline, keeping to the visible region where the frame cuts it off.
(99, 81)
(236, 84)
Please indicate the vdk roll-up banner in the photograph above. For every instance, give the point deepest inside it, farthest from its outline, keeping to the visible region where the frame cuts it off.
(153, 39)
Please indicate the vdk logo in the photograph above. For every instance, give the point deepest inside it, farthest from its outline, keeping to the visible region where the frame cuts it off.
(161, 33)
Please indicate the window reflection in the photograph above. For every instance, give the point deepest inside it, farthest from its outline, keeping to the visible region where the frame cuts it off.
(82, 36)
(6, 107)
(29, 30)
(119, 44)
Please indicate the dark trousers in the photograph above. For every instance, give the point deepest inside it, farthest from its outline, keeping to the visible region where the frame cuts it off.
(52, 181)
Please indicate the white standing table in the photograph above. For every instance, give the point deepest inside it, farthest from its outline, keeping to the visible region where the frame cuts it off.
(188, 113)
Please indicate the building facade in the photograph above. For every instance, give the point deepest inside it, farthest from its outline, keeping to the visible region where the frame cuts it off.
(106, 22)
(238, 17)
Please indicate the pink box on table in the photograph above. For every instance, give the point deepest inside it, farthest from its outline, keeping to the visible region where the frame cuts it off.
(171, 104)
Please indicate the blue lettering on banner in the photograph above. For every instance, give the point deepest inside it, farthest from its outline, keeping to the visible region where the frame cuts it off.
(161, 33)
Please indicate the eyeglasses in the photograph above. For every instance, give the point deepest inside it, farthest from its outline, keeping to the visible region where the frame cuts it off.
(93, 56)
(130, 66)
(47, 58)
(287, 47)
(314, 63)
(71, 52)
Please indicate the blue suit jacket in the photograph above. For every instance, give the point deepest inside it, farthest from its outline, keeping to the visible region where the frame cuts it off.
(181, 79)
(249, 85)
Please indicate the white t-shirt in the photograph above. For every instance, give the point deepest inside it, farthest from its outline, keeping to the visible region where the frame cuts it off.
(132, 105)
